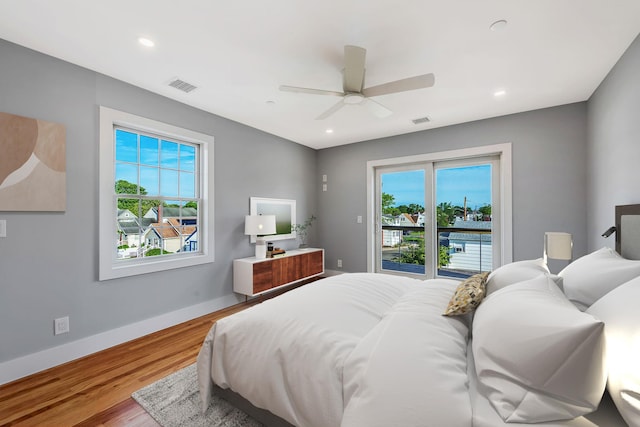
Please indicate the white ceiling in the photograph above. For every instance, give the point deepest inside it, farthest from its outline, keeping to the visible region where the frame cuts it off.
(238, 53)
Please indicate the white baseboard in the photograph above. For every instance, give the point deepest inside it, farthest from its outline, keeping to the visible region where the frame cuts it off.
(26, 365)
(332, 272)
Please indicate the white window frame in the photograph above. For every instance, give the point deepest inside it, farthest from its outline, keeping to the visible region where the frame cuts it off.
(504, 232)
(109, 266)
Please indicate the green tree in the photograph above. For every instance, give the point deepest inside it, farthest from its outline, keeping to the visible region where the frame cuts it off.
(126, 187)
(443, 256)
(415, 208)
(445, 214)
(415, 254)
(388, 200)
(136, 206)
(485, 211)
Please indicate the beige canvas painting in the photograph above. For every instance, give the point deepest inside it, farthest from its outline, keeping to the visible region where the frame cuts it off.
(32, 164)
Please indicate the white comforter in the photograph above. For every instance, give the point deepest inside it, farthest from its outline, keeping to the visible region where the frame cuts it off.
(350, 350)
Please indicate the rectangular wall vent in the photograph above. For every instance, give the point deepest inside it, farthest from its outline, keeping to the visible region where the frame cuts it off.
(421, 120)
(182, 85)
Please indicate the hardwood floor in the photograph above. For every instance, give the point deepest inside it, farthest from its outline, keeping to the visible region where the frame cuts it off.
(95, 390)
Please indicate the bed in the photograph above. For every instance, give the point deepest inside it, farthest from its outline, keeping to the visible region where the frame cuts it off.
(367, 349)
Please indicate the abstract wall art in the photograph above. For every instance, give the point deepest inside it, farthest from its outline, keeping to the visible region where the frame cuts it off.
(32, 164)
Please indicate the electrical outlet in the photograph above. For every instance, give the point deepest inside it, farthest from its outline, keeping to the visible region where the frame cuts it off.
(339, 263)
(3, 228)
(61, 325)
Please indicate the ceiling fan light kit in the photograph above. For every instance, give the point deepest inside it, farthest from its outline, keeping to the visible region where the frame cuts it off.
(353, 91)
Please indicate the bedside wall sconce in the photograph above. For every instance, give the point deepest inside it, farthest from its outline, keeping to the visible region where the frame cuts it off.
(260, 226)
(609, 231)
(557, 245)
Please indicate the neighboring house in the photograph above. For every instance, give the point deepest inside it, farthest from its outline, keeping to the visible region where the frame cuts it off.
(169, 235)
(391, 238)
(129, 228)
(468, 250)
(406, 220)
(173, 229)
(186, 216)
(191, 242)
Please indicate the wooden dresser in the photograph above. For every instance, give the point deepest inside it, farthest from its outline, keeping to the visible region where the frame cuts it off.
(253, 276)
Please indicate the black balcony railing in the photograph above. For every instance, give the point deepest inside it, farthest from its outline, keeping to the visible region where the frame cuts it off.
(462, 251)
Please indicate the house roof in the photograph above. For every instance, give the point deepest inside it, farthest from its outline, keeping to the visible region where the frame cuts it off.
(171, 229)
(470, 237)
(168, 212)
(133, 225)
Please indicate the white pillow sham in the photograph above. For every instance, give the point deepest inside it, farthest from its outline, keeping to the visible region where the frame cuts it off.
(619, 311)
(537, 357)
(592, 276)
(515, 272)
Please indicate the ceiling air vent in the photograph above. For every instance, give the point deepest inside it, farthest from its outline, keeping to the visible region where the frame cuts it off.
(182, 85)
(421, 120)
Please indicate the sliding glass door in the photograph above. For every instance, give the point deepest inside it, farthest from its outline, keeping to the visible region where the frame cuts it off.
(464, 216)
(401, 234)
(437, 218)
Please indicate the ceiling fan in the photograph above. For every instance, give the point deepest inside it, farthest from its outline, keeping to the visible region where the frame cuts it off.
(353, 91)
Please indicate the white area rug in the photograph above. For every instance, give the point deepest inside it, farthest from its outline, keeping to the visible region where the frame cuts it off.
(174, 401)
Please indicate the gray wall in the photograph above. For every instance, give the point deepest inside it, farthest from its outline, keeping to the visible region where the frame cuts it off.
(49, 261)
(571, 165)
(614, 145)
(549, 179)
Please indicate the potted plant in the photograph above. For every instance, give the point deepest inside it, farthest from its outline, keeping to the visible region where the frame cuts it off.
(302, 231)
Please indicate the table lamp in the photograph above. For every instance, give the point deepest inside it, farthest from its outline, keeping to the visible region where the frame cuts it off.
(557, 245)
(260, 226)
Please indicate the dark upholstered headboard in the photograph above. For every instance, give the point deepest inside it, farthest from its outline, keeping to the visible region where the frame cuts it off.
(628, 231)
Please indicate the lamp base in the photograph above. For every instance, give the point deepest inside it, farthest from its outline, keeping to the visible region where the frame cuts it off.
(261, 248)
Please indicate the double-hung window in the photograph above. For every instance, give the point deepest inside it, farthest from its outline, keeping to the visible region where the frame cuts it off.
(155, 196)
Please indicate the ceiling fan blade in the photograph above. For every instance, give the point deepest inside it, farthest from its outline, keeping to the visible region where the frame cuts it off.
(354, 58)
(377, 109)
(410, 83)
(310, 91)
(331, 110)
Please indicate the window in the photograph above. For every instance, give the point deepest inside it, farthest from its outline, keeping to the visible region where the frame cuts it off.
(155, 196)
(440, 214)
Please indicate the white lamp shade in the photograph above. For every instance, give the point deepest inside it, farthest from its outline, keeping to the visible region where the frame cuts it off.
(558, 245)
(259, 225)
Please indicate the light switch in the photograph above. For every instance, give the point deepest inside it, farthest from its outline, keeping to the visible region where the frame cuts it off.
(324, 178)
(359, 219)
(324, 187)
(3, 228)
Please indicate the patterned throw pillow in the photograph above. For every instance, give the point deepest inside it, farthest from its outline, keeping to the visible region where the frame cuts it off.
(468, 295)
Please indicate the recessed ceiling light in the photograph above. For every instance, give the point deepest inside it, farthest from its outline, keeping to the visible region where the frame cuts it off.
(146, 42)
(499, 93)
(499, 25)
(329, 131)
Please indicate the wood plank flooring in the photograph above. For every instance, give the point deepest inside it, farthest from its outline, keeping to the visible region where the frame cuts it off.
(95, 390)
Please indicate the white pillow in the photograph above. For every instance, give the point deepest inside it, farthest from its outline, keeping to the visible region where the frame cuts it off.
(515, 272)
(591, 277)
(619, 311)
(537, 357)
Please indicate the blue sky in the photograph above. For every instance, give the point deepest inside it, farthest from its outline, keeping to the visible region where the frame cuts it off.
(166, 168)
(452, 185)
